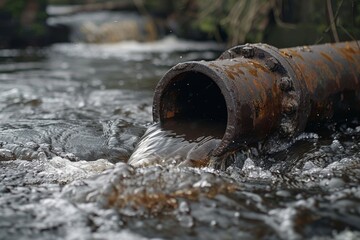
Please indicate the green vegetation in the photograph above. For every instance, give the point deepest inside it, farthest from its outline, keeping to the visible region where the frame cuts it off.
(79, 2)
(15, 8)
(279, 22)
(23, 22)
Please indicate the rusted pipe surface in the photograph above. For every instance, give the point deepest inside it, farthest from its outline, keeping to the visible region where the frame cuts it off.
(331, 75)
(257, 92)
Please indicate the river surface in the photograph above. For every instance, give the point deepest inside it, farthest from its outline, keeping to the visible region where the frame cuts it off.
(81, 159)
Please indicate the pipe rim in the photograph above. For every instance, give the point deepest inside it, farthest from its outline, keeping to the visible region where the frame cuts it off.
(215, 76)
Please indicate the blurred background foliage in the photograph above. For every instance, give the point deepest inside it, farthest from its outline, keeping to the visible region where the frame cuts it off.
(282, 23)
(279, 22)
(23, 22)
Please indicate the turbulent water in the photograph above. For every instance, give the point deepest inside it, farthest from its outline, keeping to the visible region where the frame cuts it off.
(74, 164)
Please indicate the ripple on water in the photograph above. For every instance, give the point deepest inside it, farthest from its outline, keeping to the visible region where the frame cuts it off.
(75, 140)
(317, 197)
(60, 111)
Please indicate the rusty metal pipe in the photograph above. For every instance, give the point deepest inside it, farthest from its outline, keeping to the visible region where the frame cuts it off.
(257, 92)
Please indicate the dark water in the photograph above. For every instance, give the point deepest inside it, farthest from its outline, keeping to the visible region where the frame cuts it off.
(73, 164)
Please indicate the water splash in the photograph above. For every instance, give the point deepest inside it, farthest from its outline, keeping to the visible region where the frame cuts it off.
(57, 103)
(167, 148)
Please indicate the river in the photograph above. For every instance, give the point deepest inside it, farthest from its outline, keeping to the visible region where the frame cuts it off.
(73, 114)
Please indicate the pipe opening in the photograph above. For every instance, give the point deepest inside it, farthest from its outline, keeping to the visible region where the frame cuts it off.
(193, 106)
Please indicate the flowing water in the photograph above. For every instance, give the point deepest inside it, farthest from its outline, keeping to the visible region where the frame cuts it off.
(81, 159)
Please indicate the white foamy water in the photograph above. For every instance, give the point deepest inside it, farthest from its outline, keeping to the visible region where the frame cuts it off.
(57, 169)
(134, 50)
(162, 147)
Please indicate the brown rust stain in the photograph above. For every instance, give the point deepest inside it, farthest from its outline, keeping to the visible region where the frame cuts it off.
(158, 201)
(215, 67)
(236, 68)
(240, 67)
(259, 66)
(349, 48)
(266, 103)
(310, 77)
(169, 114)
(230, 75)
(326, 56)
(231, 70)
(348, 55)
(325, 73)
(257, 84)
(252, 67)
(339, 66)
(253, 72)
(295, 53)
(285, 53)
(348, 52)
